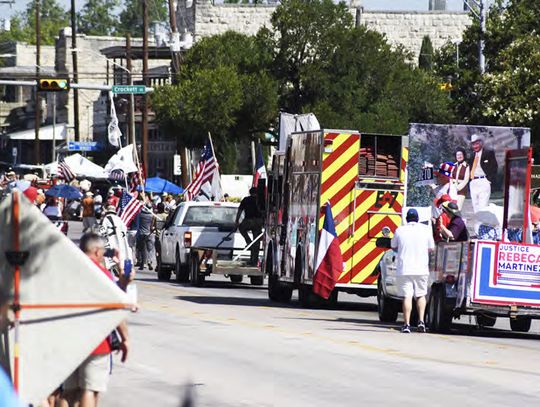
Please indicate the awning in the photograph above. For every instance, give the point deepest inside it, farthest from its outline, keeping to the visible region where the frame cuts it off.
(45, 133)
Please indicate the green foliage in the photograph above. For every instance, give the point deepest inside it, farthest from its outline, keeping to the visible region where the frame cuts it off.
(425, 59)
(96, 17)
(223, 79)
(312, 59)
(23, 25)
(131, 16)
(509, 91)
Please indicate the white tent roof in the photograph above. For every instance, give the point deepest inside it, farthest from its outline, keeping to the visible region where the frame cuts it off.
(45, 133)
(81, 166)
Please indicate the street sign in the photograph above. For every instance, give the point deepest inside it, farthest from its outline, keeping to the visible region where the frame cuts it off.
(127, 89)
(82, 146)
(177, 167)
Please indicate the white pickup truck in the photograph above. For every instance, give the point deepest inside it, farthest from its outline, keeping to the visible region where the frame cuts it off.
(196, 237)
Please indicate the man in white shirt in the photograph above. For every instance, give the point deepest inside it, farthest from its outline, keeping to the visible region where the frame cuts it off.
(413, 242)
(483, 173)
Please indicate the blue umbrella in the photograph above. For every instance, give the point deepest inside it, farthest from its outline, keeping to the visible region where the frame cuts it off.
(160, 185)
(64, 191)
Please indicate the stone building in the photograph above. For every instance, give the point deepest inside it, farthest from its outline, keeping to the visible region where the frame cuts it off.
(407, 28)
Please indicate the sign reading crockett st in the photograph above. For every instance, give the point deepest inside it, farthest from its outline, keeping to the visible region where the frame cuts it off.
(506, 274)
(83, 146)
(136, 89)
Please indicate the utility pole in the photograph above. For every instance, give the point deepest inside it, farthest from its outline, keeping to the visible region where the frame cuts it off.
(176, 61)
(480, 15)
(37, 107)
(75, 71)
(146, 83)
(131, 106)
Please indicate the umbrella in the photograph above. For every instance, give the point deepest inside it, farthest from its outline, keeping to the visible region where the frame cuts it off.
(160, 185)
(64, 191)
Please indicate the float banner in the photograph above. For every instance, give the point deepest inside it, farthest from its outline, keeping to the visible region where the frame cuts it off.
(506, 274)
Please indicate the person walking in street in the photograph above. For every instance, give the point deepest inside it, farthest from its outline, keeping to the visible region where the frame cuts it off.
(413, 243)
(456, 230)
(91, 378)
(483, 172)
(252, 222)
(145, 236)
(88, 215)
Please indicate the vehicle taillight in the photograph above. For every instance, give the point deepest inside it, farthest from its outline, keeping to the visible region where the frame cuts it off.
(450, 279)
(187, 239)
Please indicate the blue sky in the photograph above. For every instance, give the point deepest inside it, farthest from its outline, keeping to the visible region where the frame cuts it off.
(6, 10)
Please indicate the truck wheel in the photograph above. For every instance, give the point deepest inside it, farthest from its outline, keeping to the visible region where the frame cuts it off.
(520, 324)
(485, 320)
(236, 279)
(440, 319)
(196, 278)
(181, 271)
(307, 298)
(256, 280)
(162, 274)
(387, 307)
(277, 291)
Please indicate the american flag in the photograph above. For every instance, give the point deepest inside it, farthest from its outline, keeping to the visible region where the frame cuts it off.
(205, 172)
(64, 170)
(128, 207)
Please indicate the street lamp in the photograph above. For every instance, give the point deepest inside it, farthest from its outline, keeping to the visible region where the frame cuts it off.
(481, 16)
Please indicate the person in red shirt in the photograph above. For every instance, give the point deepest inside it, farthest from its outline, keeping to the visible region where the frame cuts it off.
(92, 376)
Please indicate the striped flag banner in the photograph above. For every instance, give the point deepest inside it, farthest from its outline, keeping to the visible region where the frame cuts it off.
(64, 170)
(128, 207)
(206, 170)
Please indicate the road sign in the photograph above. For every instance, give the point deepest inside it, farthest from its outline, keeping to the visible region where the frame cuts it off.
(126, 89)
(82, 146)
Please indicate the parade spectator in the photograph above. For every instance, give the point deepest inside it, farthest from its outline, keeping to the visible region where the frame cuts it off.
(252, 222)
(483, 173)
(51, 209)
(413, 243)
(89, 216)
(445, 186)
(91, 378)
(145, 236)
(456, 230)
(461, 175)
(114, 231)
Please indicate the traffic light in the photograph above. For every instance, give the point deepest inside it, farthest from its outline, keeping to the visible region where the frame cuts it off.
(53, 84)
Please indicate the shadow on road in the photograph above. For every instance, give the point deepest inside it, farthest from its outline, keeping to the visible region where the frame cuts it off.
(265, 302)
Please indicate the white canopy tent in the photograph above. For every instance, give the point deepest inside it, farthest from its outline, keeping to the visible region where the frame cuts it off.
(46, 133)
(81, 166)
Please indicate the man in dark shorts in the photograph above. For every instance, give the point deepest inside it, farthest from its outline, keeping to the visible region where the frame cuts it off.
(252, 222)
(456, 230)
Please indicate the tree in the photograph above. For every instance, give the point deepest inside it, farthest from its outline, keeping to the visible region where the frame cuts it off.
(508, 92)
(234, 63)
(425, 59)
(97, 18)
(350, 77)
(23, 25)
(131, 16)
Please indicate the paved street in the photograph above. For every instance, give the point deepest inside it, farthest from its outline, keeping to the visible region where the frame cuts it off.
(229, 346)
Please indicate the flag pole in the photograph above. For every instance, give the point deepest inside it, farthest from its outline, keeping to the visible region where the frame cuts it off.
(215, 158)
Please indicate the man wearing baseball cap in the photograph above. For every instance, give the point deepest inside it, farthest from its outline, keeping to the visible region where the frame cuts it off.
(483, 172)
(413, 242)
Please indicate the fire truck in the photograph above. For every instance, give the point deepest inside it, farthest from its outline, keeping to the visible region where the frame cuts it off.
(363, 177)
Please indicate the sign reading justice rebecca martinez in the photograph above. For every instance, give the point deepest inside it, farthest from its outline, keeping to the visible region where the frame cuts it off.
(507, 274)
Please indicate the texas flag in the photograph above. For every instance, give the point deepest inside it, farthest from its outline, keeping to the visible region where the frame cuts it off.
(329, 260)
(260, 168)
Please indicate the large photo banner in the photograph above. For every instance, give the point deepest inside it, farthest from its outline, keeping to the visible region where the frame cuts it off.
(464, 164)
